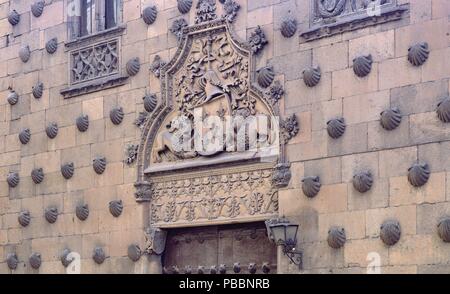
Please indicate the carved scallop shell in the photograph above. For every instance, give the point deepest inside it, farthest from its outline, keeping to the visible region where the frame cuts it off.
(311, 186)
(236, 267)
(37, 8)
(443, 228)
(52, 45)
(266, 268)
(391, 119)
(419, 174)
(116, 208)
(266, 76)
(336, 127)
(24, 53)
(222, 269)
(363, 181)
(67, 170)
(116, 115)
(289, 27)
(336, 237)
(82, 212)
(201, 270)
(83, 123)
(213, 270)
(311, 76)
(65, 260)
(133, 66)
(52, 130)
(443, 110)
(35, 260)
(390, 232)
(99, 165)
(188, 270)
(13, 17)
(134, 252)
(37, 175)
(38, 90)
(51, 214)
(150, 102)
(418, 54)
(252, 268)
(24, 218)
(25, 136)
(184, 6)
(99, 255)
(12, 261)
(13, 98)
(149, 14)
(13, 179)
(362, 65)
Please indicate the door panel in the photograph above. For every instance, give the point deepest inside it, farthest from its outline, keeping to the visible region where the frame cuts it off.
(215, 245)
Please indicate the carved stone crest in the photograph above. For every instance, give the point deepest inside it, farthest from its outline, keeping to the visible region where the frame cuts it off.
(155, 241)
(208, 96)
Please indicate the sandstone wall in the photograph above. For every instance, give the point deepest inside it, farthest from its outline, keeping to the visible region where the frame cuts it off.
(393, 82)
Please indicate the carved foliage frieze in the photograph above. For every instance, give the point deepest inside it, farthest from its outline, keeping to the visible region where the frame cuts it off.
(217, 197)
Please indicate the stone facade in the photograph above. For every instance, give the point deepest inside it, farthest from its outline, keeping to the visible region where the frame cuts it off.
(111, 96)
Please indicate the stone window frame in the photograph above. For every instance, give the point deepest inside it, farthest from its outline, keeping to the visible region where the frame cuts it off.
(118, 78)
(322, 27)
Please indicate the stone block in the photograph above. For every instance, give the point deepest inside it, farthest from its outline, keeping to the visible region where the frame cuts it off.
(396, 162)
(377, 197)
(113, 150)
(95, 133)
(320, 255)
(380, 45)
(346, 83)
(328, 169)
(298, 94)
(332, 57)
(353, 222)
(428, 216)
(434, 68)
(292, 65)
(325, 111)
(379, 138)
(365, 108)
(79, 155)
(358, 253)
(406, 215)
(113, 175)
(316, 148)
(426, 127)
(64, 139)
(398, 72)
(436, 155)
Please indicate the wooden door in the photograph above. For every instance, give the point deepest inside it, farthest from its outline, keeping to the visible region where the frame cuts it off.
(197, 250)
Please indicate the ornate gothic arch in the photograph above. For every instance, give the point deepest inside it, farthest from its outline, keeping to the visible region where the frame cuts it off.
(214, 72)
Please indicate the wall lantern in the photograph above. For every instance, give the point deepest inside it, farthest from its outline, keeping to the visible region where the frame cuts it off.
(284, 234)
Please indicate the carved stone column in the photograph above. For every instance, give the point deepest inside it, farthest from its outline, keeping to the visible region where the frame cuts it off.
(154, 248)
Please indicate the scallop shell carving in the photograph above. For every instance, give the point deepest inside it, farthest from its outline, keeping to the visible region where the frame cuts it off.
(37, 8)
(390, 232)
(37, 175)
(222, 269)
(289, 27)
(237, 267)
(99, 165)
(184, 6)
(13, 17)
(52, 130)
(363, 181)
(13, 98)
(336, 127)
(311, 76)
(116, 208)
(443, 110)
(133, 66)
(51, 214)
(65, 260)
(82, 212)
(266, 268)
(419, 174)
(150, 102)
(336, 237)
(83, 123)
(188, 270)
(418, 54)
(24, 218)
(116, 115)
(35, 260)
(52, 45)
(99, 255)
(13, 179)
(67, 170)
(25, 53)
(38, 90)
(134, 252)
(252, 268)
(362, 65)
(149, 14)
(311, 186)
(266, 76)
(443, 228)
(12, 261)
(391, 119)
(25, 136)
